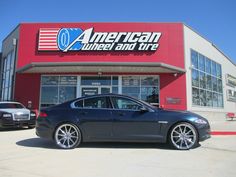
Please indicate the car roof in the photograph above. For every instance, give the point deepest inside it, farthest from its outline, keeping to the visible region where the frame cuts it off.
(11, 102)
(107, 94)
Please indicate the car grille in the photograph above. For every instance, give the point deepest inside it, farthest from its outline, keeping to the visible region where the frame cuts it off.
(21, 116)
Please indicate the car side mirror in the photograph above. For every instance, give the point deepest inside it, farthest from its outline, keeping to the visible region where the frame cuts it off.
(143, 110)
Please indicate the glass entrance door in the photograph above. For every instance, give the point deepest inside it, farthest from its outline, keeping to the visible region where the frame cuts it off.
(94, 90)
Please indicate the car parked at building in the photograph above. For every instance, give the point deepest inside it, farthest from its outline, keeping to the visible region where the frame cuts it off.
(119, 118)
(14, 114)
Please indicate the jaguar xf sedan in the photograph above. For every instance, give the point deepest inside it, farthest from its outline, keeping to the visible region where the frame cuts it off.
(119, 118)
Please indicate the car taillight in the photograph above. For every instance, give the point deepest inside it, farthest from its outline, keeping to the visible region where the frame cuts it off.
(42, 115)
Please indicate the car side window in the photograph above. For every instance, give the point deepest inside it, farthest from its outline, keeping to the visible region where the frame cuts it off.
(97, 102)
(124, 103)
(79, 104)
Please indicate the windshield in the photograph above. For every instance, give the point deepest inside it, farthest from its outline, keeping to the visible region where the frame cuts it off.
(11, 106)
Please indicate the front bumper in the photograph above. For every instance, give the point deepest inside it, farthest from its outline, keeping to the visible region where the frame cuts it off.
(9, 122)
(204, 132)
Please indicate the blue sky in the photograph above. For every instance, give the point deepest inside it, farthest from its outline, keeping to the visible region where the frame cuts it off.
(214, 19)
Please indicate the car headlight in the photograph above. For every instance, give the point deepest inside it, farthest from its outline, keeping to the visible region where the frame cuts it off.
(32, 114)
(200, 121)
(6, 115)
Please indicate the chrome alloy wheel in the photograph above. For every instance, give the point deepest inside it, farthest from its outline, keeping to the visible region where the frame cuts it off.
(183, 136)
(67, 136)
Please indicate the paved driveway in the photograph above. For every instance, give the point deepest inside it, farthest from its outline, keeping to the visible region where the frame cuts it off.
(22, 154)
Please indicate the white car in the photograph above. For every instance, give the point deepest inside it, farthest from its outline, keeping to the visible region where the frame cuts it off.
(14, 114)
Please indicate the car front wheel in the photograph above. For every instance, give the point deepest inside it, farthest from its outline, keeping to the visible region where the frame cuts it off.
(67, 136)
(183, 136)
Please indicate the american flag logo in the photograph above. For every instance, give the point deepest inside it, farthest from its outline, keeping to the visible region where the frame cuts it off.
(48, 39)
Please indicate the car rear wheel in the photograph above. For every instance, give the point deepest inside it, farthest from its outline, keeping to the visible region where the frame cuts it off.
(183, 136)
(67, 136)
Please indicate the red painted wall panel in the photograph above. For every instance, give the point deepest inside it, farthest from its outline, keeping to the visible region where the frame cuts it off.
(170, 51)
(173, 87)
(27, 88)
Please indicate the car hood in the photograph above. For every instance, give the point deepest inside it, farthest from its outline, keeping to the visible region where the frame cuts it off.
(13, 111)
(183, 113)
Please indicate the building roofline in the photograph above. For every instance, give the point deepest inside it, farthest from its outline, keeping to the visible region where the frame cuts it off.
(101, 22)
(213, 45)
(140, 64)
(14, 29)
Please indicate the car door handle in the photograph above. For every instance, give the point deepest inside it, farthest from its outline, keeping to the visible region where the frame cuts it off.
(121, 114)
(84, 113)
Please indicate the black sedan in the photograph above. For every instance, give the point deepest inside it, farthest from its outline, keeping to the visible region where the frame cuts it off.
(119, 118)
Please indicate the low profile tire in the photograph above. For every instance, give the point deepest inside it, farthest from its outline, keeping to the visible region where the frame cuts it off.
(183, 136)
(67, 136)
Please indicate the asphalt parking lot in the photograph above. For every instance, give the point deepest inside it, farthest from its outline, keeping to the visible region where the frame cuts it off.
(23, 154)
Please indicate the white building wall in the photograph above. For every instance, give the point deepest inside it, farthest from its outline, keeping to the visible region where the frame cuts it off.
(193, 40)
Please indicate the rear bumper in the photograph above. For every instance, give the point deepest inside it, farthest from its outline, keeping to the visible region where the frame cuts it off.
(44, 129)
(9, 122)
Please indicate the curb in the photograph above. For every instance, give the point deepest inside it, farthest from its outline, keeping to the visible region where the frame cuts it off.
(223, 133)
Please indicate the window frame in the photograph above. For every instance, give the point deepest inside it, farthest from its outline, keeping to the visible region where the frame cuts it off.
(213, 77)
(135, 110)
(108, 102)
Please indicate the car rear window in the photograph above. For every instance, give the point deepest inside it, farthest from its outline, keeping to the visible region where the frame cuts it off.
(97, 102)
(10, 106)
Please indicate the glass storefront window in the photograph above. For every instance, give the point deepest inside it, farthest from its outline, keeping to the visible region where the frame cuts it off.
(115, 90)
(49, 95)
(7, 75)
(202, 97)
(149, 81)
(57, 89)
(218, 70)
(206, 81)
(128, 81)
(68, 80)
(50, 80)
(213, 68)
(95, 80)
(208, 98)
(195, 78)
(202, 80)
(208, 65)
(219, 85)
(150, 94)
(195, 96)
(8, 62)
(66, 93)
(145, 88)
(5, 93)
(131, 91)
(201, 62)
(215, 99)
(194, 58)
(115, 80)
(214, 84)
